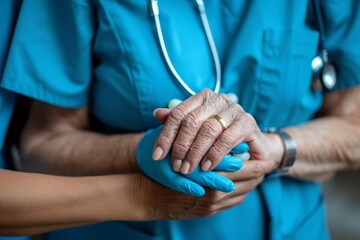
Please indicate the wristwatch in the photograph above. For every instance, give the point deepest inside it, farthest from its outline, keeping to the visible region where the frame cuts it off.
(289, 145)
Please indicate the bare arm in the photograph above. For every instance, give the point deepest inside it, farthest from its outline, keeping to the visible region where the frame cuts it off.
(34, 203)
(57, 141)
(331, 142)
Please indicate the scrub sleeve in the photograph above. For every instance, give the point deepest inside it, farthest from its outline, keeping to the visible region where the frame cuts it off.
(342, 31)
(50, 58)
(9, 10)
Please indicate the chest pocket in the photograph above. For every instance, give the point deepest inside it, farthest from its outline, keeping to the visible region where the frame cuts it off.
(285, 94)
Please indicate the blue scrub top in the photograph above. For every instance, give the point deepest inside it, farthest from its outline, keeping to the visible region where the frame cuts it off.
(106, 54)
(9, 12)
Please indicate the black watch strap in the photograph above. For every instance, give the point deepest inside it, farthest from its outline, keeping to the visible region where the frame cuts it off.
(289, 156)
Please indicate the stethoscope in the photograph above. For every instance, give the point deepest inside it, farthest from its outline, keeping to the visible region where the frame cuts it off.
(324, 72)
(155, 11)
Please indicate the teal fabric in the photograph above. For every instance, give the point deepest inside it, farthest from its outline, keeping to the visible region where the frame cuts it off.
(8, 18)
(9, 11)
(106, 54)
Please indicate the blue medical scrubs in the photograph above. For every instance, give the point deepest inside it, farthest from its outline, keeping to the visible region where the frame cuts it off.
(9, 12)
(105, 54)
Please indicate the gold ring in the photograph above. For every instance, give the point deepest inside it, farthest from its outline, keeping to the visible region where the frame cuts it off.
(221, 121)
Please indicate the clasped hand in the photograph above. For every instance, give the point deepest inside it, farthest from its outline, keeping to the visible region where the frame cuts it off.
(194, 133)
(193, 183)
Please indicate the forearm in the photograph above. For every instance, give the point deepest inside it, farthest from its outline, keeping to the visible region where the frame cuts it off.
(326, 145)
(32, 230)
(33, 203)
(79, 152)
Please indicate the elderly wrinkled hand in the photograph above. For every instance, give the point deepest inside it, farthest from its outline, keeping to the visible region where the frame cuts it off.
(191, 184)
(194, 134)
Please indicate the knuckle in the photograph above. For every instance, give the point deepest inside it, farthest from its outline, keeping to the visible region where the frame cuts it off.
(207, 92)
(209, 208)
(258, 169)
(190, 122)
(217, 197)
(249, 119)
(180, 147)
(208, 130)
(212, 209)
(226, 140)
(214, 153)
(224, 97)
(172, 120)
(220, 197)
(213, 196)
(195, 152)
(177, 114)
(165, 136)
(217, 151)
(247, 124)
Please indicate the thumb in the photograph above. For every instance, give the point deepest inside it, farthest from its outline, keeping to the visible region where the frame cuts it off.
(161, 114)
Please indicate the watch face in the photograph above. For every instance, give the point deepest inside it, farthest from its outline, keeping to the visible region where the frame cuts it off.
(329, 76)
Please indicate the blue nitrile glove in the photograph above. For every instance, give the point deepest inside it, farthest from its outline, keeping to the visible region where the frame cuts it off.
(241, 148)
(241, 151)
(191, 184)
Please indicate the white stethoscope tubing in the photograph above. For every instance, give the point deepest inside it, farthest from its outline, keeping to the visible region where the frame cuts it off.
(155, 12)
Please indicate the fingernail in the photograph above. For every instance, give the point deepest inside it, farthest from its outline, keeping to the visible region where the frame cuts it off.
(206, 165)
(157, 153)
(177, 165)
(154, 112)
(185, 167)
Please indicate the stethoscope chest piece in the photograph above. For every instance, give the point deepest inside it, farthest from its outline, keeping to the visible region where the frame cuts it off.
(324, 73)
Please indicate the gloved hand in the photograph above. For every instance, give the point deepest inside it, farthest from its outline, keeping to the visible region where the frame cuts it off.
(241, 151)
(191, 184)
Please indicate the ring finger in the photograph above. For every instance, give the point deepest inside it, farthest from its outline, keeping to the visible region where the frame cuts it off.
(210, 130)
(188, 131)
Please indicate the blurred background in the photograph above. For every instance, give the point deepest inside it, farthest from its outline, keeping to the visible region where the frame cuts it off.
(342, 197)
